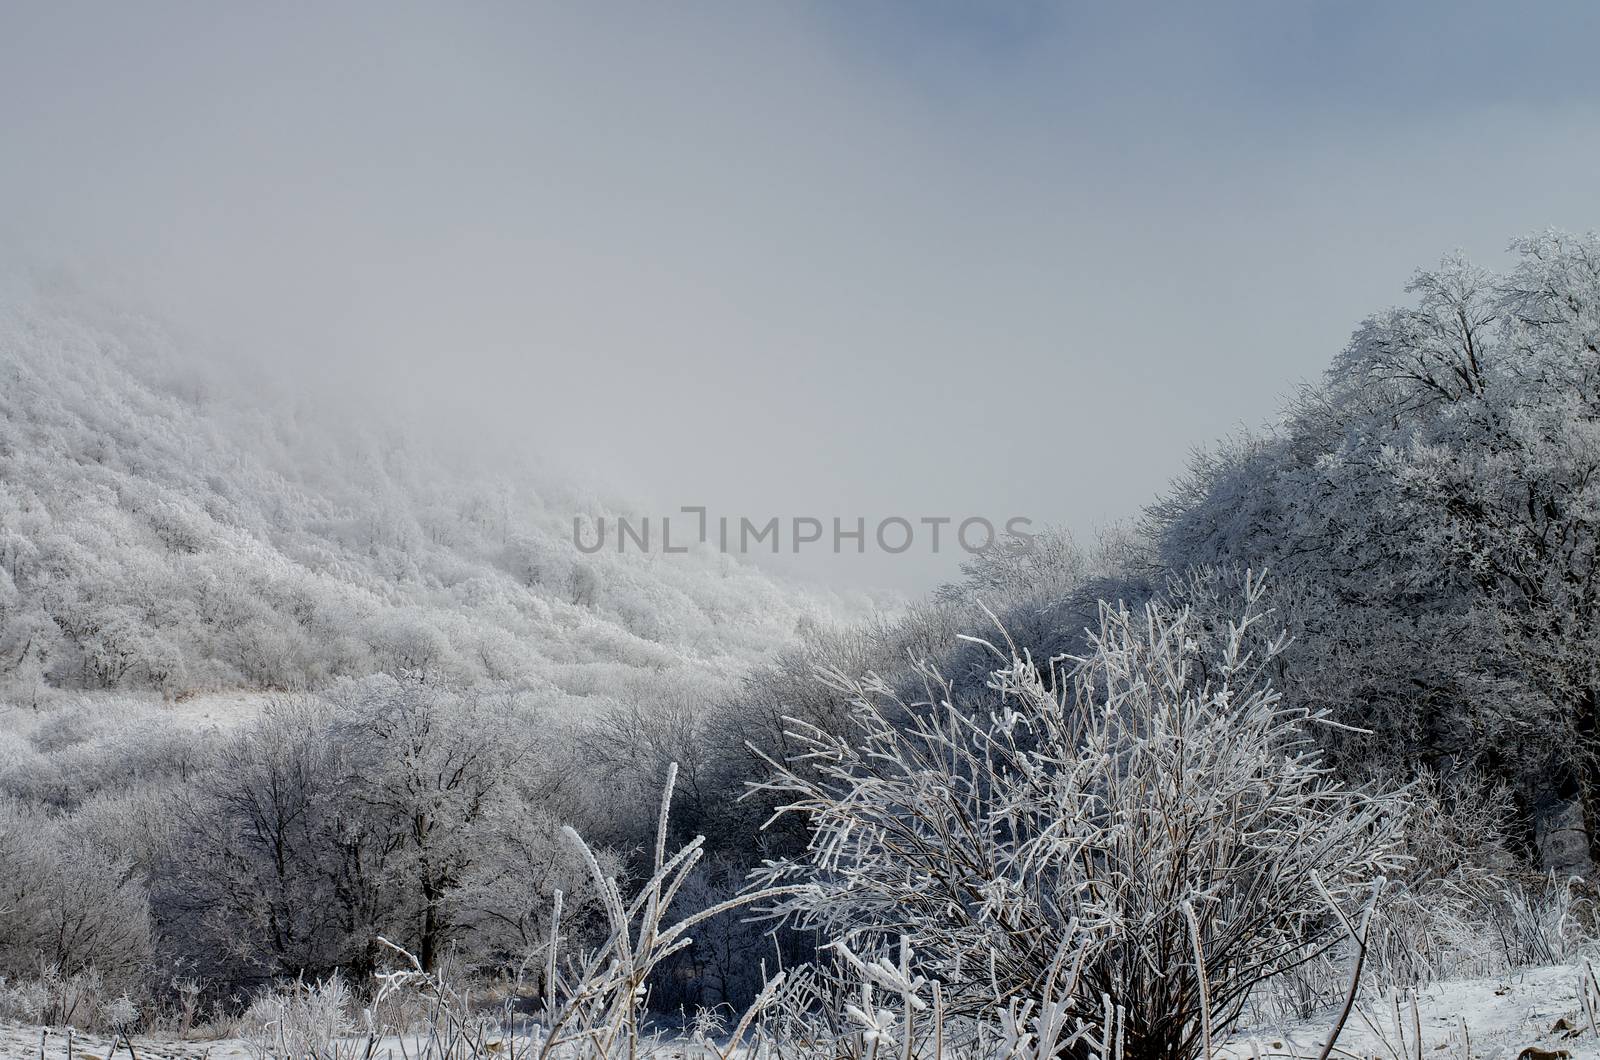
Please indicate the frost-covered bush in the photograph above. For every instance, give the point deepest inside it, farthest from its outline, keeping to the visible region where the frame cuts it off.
(69, 906)
(1446, 914)
(302, 1020)
(1152, 810)
(1430, 922)
(81, 999)
(1542, 921)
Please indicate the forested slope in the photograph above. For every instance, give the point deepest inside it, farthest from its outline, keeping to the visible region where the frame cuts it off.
(164, 525)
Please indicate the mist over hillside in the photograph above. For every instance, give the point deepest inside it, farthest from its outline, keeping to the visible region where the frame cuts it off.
(167, 523)
(1344, 668)
(450, 455)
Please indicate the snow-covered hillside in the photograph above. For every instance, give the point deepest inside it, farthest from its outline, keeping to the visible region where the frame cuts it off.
(164, 526)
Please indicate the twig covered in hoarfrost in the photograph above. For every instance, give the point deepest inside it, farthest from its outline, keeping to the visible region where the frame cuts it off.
(1359, 937)
(596, 1007)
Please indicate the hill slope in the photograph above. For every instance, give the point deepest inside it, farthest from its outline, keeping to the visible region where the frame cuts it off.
(162, 527)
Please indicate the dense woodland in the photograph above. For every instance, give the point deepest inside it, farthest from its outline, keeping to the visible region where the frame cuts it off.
(1377, 619)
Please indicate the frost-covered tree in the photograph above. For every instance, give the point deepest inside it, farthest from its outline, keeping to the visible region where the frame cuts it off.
(67, 905)
(268, 878)
(1151, 809)
(432, 773)
(1502, 465)
(386, 808)
(1431, 515)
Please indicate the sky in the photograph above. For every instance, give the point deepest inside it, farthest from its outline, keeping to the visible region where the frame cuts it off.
(812, 258)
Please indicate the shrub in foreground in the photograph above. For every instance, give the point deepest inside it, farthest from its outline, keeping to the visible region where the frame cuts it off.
(1151, 813)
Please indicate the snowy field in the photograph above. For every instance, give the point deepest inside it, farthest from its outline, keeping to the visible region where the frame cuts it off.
(1540, 1008)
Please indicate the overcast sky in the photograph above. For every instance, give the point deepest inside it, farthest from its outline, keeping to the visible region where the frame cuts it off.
(813, 258)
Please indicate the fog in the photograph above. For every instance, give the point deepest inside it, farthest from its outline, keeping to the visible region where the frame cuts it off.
(806, 259)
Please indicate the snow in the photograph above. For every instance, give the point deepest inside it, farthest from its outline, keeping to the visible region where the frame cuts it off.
(1503, 1015)
(18, 1042)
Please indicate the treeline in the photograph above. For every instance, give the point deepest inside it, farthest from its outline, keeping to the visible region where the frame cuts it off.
(379, 808)
(1428, 518)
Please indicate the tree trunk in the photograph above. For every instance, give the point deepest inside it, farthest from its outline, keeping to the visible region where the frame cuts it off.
(431, 927)
(1586, 725)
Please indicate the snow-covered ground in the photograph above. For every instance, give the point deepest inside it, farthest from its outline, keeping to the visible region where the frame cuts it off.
(17, 1042)
(1539, 1007)
(31, 1043)
(1502, 1016)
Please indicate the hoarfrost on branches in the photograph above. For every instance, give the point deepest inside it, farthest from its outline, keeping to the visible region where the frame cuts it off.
(1092, 808)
